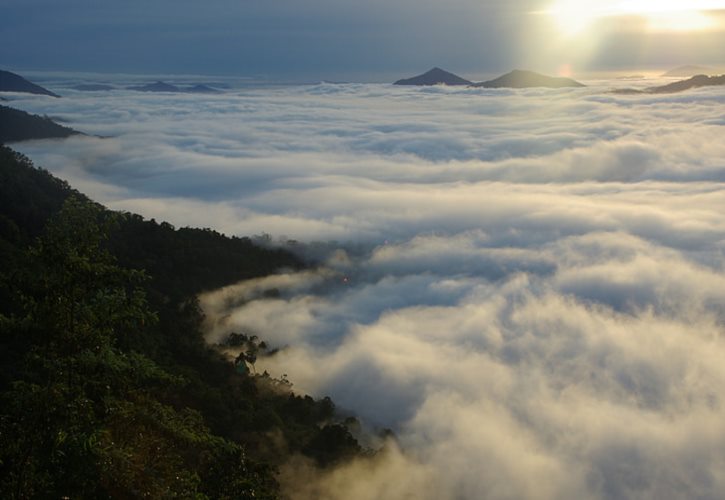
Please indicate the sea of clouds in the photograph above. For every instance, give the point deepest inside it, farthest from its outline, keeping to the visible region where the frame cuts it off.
(527, 286)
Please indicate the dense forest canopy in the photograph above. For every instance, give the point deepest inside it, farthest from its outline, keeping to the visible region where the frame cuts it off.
(107, 388)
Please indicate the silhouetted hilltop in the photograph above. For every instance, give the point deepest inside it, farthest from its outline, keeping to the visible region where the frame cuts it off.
(688, 71)
(691, 83)
(679, 86)
(435, 76)
(520, 79)
(627, 91)
(156, 87)
(10, 82)
(93, 87)
(165, 87)
(17, 125)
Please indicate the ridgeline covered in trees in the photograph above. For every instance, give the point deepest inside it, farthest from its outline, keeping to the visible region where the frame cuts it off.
(107, 388)
(17, 125)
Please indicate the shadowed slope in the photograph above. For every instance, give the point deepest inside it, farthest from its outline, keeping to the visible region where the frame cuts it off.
(17, 125)
(520, 79)
(691, 83)
(10, 82)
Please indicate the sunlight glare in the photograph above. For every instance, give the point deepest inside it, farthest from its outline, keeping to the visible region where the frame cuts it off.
(574, 17)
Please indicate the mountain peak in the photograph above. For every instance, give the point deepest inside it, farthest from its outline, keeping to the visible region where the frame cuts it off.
(434, 76)
(158, 86)
(10, 82)
(521, 79)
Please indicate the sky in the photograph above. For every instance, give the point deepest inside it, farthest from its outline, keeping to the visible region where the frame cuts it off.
(371, 41)
(526, 286)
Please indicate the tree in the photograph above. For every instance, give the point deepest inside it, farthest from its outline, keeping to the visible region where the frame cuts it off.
(76, 304)
(83, 417)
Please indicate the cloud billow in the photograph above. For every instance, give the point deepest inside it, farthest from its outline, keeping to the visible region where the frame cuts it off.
(527, 286)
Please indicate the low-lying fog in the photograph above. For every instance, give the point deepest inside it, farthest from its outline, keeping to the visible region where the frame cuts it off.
(528, 286)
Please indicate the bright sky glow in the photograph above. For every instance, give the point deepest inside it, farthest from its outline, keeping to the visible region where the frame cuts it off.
(575, 16)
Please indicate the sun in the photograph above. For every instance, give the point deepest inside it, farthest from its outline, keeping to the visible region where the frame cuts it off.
(576, 16)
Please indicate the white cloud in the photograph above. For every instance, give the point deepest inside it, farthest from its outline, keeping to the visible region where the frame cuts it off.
(531, 291)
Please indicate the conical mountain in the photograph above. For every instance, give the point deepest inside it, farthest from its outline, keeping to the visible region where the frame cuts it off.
(156, 87)
(435, 76)
(10, 82)
(521, 79)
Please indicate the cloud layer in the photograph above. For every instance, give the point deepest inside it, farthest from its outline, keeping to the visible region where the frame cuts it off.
(527, 286)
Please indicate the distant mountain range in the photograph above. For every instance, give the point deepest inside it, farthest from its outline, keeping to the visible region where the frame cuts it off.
(521, 79)
(517, 79)
(93, 87)
(691, 83)
(160, 86)
(10, 82)
(155, 87)
(679, 86)
(435, 76)
(17, 125)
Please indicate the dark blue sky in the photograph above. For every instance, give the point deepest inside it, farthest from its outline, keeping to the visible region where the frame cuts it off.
(374, 40)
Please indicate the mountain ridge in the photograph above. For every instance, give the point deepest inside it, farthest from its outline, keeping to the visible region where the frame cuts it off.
(17, 125)
(520, 79)
(161, 86)
(11, 82)
(696, 81)
(158, 86)
(691, 83)
(689, 71)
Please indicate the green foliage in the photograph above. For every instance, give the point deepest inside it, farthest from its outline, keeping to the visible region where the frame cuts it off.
(85, 417)
(107, 387)
(249, 346)
(333, 444)
(78, 290)
(29, 196)
(184, 262)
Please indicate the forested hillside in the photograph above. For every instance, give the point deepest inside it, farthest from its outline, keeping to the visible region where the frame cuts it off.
(107, 388)
(17, 125)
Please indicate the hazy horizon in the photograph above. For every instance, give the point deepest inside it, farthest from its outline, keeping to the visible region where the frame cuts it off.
(345, 40)
(64, 81)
